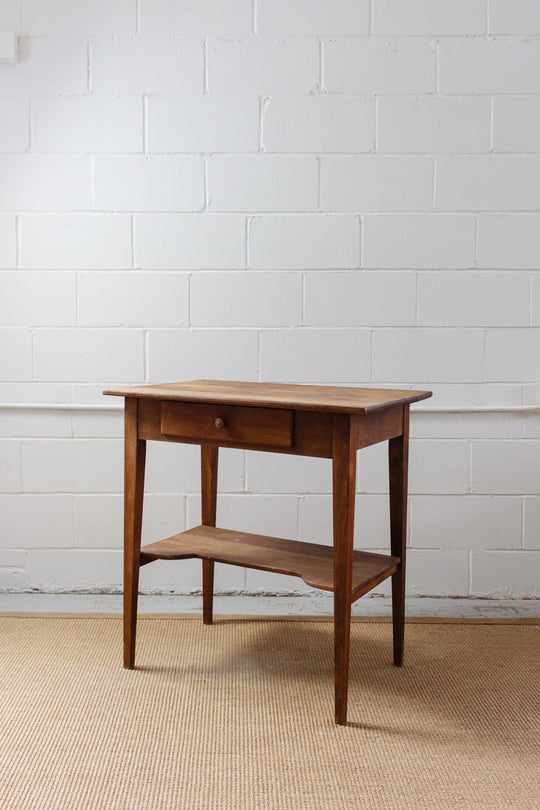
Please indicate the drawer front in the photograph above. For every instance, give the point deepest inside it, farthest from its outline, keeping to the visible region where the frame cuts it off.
(270, 427)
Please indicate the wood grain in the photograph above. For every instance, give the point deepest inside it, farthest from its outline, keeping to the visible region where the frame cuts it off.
(312, 432)
(276, 395)
(209, 480)
(303, 420)
(343, 489)
(134, 463)
(398, 466)
(311, 562)
(371, 428)
(227, 423)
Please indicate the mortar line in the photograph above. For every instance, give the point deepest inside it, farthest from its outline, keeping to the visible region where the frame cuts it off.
(522, 516)
(205, 66)
(89, 66)
(375, 125)
(17, 227)
(492, 125)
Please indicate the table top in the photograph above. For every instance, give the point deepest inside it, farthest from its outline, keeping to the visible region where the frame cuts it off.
(276, 395)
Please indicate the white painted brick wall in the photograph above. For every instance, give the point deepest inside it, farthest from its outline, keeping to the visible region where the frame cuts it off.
(15, 354)
(89, 124)
(512, 572)
(502, 466)
(158, 183)
(22, 297)
(509, 242)
(473, 299)
(379, 65)
(78, 465)
(429, 17)
(206, 18)
(312, 17)
(517, 17)
(46, 67)
(189, 242)
(360, 299)
(445, 241)
(14, 132)
(254, 299)
(147, 66)
(531, 520)
(513, 354)
(436, 124)
(262, 183)
(506, 111)
(30, 183)
(535, 311)
(475, 521)
(494, 183)
(10, 15)
(263, 66)
(75, 241)
(10, 468)
(84, 18)
(133, 299)
(203, 124)
(88, 355)
(372, 529)
(303, 191)
(308, 242)
(437, 354)
(8, 248)
(177, 469)
(34, 521)
(22, 423)
(315, 355)
(317, 124)
(376, 183)
(489, 66)
(203, 354)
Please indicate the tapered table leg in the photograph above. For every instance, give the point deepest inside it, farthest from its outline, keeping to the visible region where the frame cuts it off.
(343, 484)
(209, 476)
(134, 461)
(398, 454)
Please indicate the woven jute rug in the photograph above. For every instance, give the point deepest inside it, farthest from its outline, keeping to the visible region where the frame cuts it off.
(240, 715)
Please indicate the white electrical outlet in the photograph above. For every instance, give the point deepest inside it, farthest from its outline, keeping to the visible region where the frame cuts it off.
(9, 50)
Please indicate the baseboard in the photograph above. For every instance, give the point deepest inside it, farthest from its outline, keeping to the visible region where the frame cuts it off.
(301, 606)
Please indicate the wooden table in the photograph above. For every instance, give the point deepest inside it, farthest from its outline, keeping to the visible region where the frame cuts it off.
(306, 420)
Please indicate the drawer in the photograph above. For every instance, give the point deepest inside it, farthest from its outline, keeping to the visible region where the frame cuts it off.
(271, 427)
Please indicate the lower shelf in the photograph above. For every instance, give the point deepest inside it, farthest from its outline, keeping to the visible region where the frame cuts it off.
(310, 561)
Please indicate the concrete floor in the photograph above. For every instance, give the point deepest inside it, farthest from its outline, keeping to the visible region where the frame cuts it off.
(302, 605)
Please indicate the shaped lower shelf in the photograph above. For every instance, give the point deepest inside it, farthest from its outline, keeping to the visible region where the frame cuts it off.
(310, 561)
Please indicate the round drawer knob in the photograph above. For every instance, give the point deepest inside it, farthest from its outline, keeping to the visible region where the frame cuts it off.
(219, 423)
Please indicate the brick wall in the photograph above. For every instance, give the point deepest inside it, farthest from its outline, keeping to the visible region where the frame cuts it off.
(294, 190)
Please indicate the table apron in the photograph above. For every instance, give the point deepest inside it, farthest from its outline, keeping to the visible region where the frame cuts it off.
(312, 430)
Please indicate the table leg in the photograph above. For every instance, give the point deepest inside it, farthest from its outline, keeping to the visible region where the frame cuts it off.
(134, 461)
(343, 485)
(398, 454)
(209, 475)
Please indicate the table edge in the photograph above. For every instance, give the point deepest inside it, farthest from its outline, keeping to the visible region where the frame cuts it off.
(292, 404)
